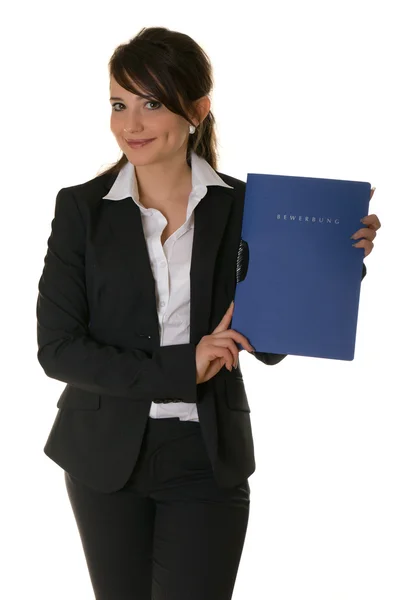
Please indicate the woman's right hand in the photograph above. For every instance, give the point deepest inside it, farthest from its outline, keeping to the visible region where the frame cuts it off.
(219, 349)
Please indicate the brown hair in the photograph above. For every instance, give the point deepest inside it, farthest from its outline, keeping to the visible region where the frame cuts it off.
(173, 69)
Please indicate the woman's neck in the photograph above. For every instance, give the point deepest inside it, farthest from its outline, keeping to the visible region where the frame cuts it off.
(161, 184)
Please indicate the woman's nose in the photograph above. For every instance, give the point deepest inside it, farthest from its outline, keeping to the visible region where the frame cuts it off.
(133, 124)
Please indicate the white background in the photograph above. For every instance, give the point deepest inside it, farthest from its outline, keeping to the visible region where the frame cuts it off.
(301, 88)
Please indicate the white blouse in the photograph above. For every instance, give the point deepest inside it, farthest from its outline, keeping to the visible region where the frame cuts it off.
(170, 265)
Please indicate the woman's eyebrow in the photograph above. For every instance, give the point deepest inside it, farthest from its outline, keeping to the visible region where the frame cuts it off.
(139, 96)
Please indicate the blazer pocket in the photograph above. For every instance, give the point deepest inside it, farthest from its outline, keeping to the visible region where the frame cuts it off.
(78, 399)
(235, 393)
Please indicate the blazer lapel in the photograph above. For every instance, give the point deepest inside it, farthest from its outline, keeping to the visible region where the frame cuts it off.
(210, 219)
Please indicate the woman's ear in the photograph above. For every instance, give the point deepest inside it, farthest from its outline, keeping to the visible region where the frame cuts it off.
(202, 109)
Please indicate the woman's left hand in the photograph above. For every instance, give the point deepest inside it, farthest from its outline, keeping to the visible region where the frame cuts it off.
(367, 233)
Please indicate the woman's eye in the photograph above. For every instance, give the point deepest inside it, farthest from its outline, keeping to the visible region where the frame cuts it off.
(149, 102)
(154, 102)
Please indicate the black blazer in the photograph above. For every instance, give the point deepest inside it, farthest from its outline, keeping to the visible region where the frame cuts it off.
(97, 330)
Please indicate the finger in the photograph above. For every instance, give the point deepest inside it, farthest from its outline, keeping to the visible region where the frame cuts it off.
(215, 366)
(225, 321)
(366, 244)
(232, 353)
(221, 362)
(227, 343)
(372, 191)
(366, 232)
(228, 358)
(214, 351)
(237, 337)
(371, 221)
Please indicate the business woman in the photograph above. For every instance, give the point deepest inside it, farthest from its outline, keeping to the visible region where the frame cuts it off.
(133, 314)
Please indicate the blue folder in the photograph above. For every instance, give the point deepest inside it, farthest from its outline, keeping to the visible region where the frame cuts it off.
(301, 277)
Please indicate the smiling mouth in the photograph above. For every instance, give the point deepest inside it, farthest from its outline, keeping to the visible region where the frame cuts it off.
(136, 145)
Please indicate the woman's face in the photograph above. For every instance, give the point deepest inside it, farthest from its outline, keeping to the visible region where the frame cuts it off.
(144, 118)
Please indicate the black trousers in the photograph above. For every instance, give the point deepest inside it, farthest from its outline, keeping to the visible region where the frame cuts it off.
(170, 533)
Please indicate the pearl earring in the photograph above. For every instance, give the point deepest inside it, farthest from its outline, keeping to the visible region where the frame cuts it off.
(192, 129)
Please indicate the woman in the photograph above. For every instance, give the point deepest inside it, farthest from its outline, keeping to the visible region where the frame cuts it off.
(134, 309)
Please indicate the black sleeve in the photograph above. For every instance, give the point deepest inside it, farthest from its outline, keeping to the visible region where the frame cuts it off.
(66, 351)
(268, 358)
(273, 359)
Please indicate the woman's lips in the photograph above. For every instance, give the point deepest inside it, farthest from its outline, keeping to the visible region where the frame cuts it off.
(139, 144)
